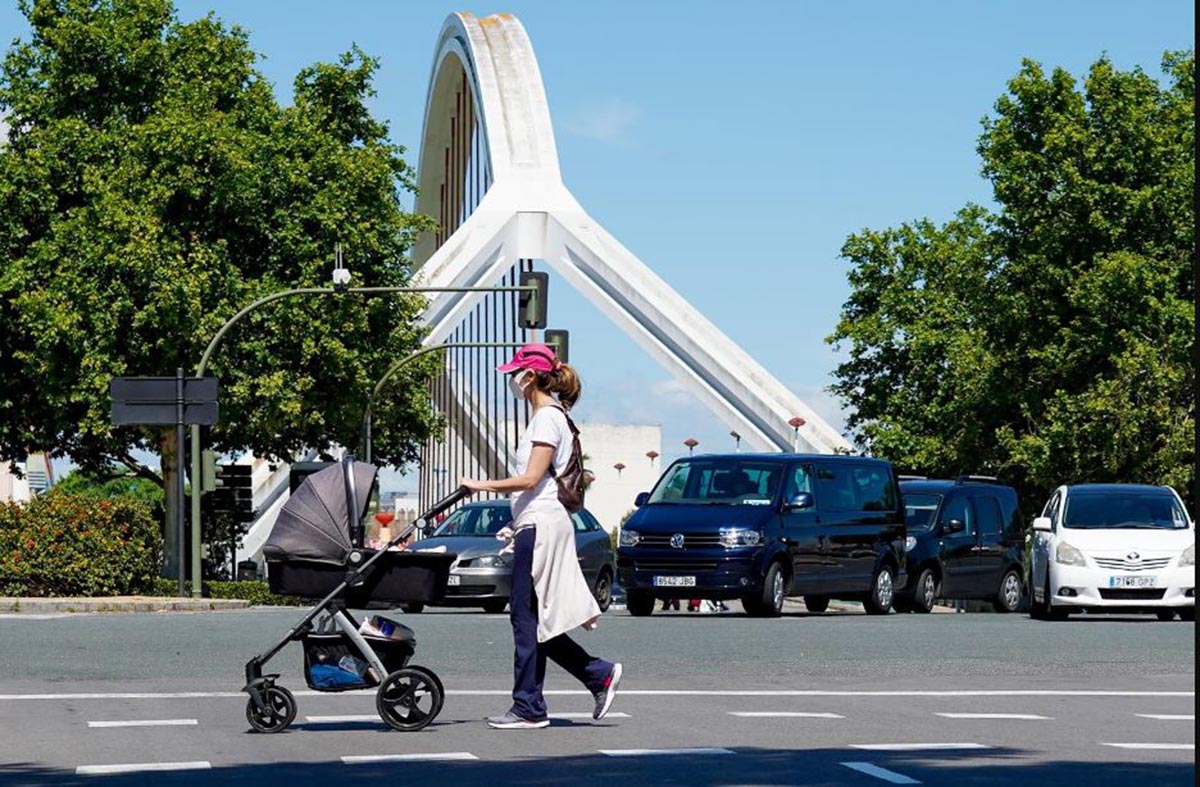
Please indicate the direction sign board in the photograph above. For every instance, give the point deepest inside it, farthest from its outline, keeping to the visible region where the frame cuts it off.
(151, 400)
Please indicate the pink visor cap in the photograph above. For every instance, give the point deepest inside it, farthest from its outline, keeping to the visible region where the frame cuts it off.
(535, 357)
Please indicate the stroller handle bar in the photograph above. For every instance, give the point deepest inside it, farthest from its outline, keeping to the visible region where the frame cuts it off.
(439, 507)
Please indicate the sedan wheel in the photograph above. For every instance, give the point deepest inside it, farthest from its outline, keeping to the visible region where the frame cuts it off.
(1009, 597)
(883, 590)
(603, 589)
(927, 592)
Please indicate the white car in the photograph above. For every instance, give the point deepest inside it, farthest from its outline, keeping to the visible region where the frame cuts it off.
(1113, 547)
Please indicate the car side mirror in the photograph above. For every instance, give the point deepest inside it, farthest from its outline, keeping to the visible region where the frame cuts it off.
(954, 526)
(642, 499)
(1043, 524)
(801, 501)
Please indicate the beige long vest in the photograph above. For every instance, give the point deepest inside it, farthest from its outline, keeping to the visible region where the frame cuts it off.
(563, 597)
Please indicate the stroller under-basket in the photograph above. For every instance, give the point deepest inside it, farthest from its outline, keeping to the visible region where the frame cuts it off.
(316, 551)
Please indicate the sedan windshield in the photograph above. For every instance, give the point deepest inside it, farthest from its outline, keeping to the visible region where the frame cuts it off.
(919, 510)
(475, 521)
(719, 481)
(1124, 509)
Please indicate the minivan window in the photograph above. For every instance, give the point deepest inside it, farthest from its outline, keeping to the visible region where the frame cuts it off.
(919, 511)
(1122, 508)
(960, 508)
(799, 481)
(873, 488)
(475, 521)
(835, 488)
(719, 481)
(988, 510)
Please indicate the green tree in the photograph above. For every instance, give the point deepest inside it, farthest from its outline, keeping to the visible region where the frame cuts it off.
(151, 186)
(110, 484)
(1051, 340)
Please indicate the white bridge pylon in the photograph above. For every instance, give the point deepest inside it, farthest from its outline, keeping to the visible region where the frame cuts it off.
(526, 212)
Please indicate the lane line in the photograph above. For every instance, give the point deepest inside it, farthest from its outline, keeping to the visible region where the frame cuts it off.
(1169, 716)
(586, 715)
(367, 759)
(138, 767)
(662, 752)
(1154, 746)
(1029, 716)
(176, 695)
(782, 714)
(917, 746)
(144, 723)
(879, 773)
(347, 718)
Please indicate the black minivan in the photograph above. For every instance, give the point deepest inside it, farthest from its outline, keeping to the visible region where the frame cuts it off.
(760, 527)
(965, 541)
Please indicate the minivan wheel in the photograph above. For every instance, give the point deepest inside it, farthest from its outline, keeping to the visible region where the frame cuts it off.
(1165, 614)
(640, 605)
(883, 591)
(926, 593)
(770, 603)
(603, 589)
(1009, 596)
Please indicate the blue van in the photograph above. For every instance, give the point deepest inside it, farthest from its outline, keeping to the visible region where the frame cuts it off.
(760, 527)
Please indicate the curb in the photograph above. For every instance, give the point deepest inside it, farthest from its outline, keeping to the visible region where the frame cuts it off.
(119, 604)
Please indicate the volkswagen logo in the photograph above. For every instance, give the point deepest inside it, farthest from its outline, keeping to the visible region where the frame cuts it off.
(1133, 557)
(677, 541)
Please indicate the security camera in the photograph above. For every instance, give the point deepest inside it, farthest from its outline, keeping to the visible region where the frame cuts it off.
(341, 277)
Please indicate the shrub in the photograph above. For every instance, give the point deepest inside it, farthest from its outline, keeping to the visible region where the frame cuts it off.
(257, 593)
(63, 544)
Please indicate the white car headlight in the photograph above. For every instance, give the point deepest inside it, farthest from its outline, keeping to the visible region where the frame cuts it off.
(1069, 555)
(910, 543)
(1188, 558)
(491, 561)
(630, 538)
(739, 537)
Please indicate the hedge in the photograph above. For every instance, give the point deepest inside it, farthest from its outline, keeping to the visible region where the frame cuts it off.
(63, 544)
(257, 593)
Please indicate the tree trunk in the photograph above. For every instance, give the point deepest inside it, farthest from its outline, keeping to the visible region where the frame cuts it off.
(166, 452)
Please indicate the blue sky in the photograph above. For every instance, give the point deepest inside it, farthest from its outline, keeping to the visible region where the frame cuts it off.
(733, 147)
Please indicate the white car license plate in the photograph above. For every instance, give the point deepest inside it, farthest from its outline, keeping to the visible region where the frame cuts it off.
(1131, 582)
(674, 582)
(453, 581)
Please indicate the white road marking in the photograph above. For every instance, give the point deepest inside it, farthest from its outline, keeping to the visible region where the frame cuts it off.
(1154, 746)
(366, 759)
(342, 719)
(880, 773)
(661, 752)
(137, 767)
(145, 723)
(1169, 716)
(1030, 716)
(782, 714)
(917, 746)
(586, 715)
(177, 695)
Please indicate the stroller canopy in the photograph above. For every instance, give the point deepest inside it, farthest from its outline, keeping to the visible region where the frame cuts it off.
(314, 524)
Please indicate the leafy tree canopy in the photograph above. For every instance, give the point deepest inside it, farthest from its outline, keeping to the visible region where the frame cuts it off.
(1051, 340)
(151, 185)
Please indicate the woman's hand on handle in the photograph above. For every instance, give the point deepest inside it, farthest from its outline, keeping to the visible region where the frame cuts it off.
(474, 485)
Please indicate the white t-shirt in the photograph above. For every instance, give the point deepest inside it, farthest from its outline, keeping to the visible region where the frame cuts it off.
(548, 426)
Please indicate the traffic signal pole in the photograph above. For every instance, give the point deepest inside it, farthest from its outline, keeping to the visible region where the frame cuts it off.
(533, 300)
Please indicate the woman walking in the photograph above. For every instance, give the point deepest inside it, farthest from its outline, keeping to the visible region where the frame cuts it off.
(549, 595)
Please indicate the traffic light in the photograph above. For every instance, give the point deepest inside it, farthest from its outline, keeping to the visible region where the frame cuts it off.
(559, 341)
(237, 479)
(208, 472)
(532, 312)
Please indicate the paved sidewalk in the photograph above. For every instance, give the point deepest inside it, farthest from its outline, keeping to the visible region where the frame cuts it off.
(42, 606)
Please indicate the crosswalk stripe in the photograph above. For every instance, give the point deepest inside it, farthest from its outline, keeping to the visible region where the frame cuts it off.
(662, 752)
(1169, 716)
(1028, 716)
(1154, 746)
(143, 723)
(880, 773)
(783, 714)
(367, 759)
(138, 767)
(917, 746)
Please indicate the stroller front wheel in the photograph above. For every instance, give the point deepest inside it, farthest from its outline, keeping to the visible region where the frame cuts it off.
(278, 712)
(409, 699)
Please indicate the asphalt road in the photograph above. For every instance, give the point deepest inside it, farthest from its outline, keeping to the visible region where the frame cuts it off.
(839, 699)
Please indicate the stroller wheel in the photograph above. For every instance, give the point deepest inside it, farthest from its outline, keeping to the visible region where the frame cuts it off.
(409, 698)
(279, 712)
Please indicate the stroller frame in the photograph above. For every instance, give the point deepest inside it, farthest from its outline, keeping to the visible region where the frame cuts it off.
(271, 708)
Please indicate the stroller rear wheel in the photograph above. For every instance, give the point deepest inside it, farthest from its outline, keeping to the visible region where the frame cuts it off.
(278, 711)
(409, 698)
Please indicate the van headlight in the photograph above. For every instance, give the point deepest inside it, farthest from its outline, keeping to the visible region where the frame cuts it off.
(910, 543)
(1188, 558)
(739, 537)
(630, 538)
(1069, 555)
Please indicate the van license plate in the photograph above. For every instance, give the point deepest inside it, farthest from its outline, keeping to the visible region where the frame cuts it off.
(1131, 582)
(453, 581)
(674, 582)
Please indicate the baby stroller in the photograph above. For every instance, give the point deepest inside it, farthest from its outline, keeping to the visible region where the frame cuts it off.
(316, 551)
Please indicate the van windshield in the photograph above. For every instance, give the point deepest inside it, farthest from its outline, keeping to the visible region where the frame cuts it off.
(919, 510)
(719, 481)
(1120, 509)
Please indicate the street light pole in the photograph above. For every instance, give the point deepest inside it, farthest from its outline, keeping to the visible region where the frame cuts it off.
(216, 340)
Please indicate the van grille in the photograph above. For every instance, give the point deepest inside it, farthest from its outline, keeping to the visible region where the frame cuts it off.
(1122, 564)
(675, 566)
(706, 540)
(1131, 594)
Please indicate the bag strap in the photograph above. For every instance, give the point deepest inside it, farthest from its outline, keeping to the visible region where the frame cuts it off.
(574, 434)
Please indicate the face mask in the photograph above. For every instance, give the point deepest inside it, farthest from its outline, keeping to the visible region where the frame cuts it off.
(514, 385)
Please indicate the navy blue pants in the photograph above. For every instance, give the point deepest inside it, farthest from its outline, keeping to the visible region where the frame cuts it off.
(529, 664)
